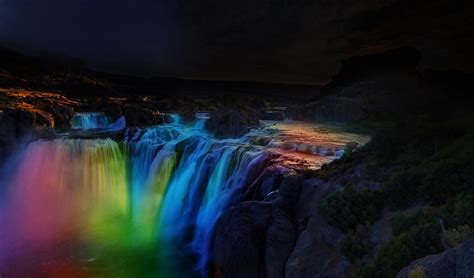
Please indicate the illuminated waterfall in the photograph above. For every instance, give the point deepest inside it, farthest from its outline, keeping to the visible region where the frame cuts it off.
(144, 206)
(157, 193)
(200, 121)
(89, 120)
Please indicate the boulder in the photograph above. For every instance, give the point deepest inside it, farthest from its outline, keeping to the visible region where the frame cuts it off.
(232, 122)
(457, 262)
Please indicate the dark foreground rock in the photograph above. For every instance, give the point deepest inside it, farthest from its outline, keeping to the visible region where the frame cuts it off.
(232, 122)
(457, 262)
(255, 239)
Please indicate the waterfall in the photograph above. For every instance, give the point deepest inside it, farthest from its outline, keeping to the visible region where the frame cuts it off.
(161, 190)
(144, 206)
(200, 122)
(89, 120)
(176, 118)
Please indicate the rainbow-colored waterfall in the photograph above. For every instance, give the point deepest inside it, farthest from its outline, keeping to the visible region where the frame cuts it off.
(142, 207)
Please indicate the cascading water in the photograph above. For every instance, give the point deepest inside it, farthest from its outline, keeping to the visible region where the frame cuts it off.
(142, 207)
(156, 194)
(89, 120)
(200, 121)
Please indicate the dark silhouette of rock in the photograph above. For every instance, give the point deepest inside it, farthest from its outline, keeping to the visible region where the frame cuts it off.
(136, 116)
(232, 122)
(20, 126)
(239, 245)
(62, 115)
(316, 251)
(255, 239)
(456, 263)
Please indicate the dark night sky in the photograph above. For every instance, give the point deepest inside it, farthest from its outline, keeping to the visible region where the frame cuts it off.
(270, 40)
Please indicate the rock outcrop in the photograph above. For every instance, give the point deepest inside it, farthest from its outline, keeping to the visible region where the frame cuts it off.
(139, 117)
(255, 239)
(18, 127)
(316, 252)
(457, 262)
(232, 122)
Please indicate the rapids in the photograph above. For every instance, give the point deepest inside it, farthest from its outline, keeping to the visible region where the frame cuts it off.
(144, 206)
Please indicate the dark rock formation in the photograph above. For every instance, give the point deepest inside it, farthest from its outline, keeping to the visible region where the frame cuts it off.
(238, 249)
(232, 122)
(255, 239)
(316, 252)
(138, 117)
(457, 262)
(20, 126)
(61, 115)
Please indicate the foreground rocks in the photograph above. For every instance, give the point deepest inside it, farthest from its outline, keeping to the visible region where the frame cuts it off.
(280, 231)
(255, 239)
(232, 122)
(457, 262)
